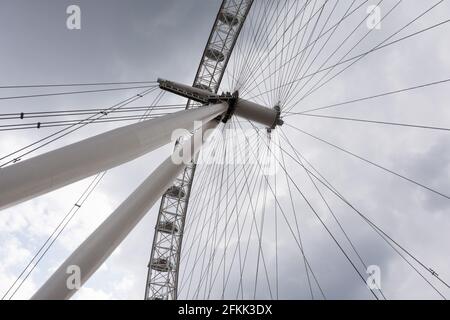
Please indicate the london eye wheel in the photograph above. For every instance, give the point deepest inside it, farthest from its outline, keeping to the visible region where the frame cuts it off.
(325, 173)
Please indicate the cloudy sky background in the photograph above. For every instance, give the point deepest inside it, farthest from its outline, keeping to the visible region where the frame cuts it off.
(143, 40)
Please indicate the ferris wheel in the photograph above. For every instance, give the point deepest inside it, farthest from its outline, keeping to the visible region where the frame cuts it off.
(258, 207)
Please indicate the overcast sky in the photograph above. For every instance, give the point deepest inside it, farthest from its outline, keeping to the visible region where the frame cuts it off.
(142, 40)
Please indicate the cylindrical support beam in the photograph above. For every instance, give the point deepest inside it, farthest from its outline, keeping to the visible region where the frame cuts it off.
(58, 168)
(90, 255)
(257, 113)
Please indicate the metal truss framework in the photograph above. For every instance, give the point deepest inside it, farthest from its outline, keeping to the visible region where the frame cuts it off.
(162, 278)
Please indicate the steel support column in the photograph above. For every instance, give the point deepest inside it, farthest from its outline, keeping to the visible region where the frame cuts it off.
(58, 168)
(90, 255)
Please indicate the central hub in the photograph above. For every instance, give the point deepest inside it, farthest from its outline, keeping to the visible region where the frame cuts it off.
(232, 100)
(269, 117)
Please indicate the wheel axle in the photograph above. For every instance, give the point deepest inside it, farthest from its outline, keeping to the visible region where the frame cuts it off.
(269, 117)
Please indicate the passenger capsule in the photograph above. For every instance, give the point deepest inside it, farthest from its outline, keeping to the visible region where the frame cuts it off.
(175, 192)
(162, 265)
(167, 227)
(228, 18)
(214, 54)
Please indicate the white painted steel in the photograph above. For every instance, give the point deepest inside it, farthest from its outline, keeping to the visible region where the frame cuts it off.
(58, 168)
(256, 113)
(90, 255)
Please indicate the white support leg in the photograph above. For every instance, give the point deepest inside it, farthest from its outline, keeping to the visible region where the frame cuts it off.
(58, 168)
(101, 243)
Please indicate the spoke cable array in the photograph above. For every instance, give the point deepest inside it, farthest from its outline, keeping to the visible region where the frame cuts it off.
(257, 200)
